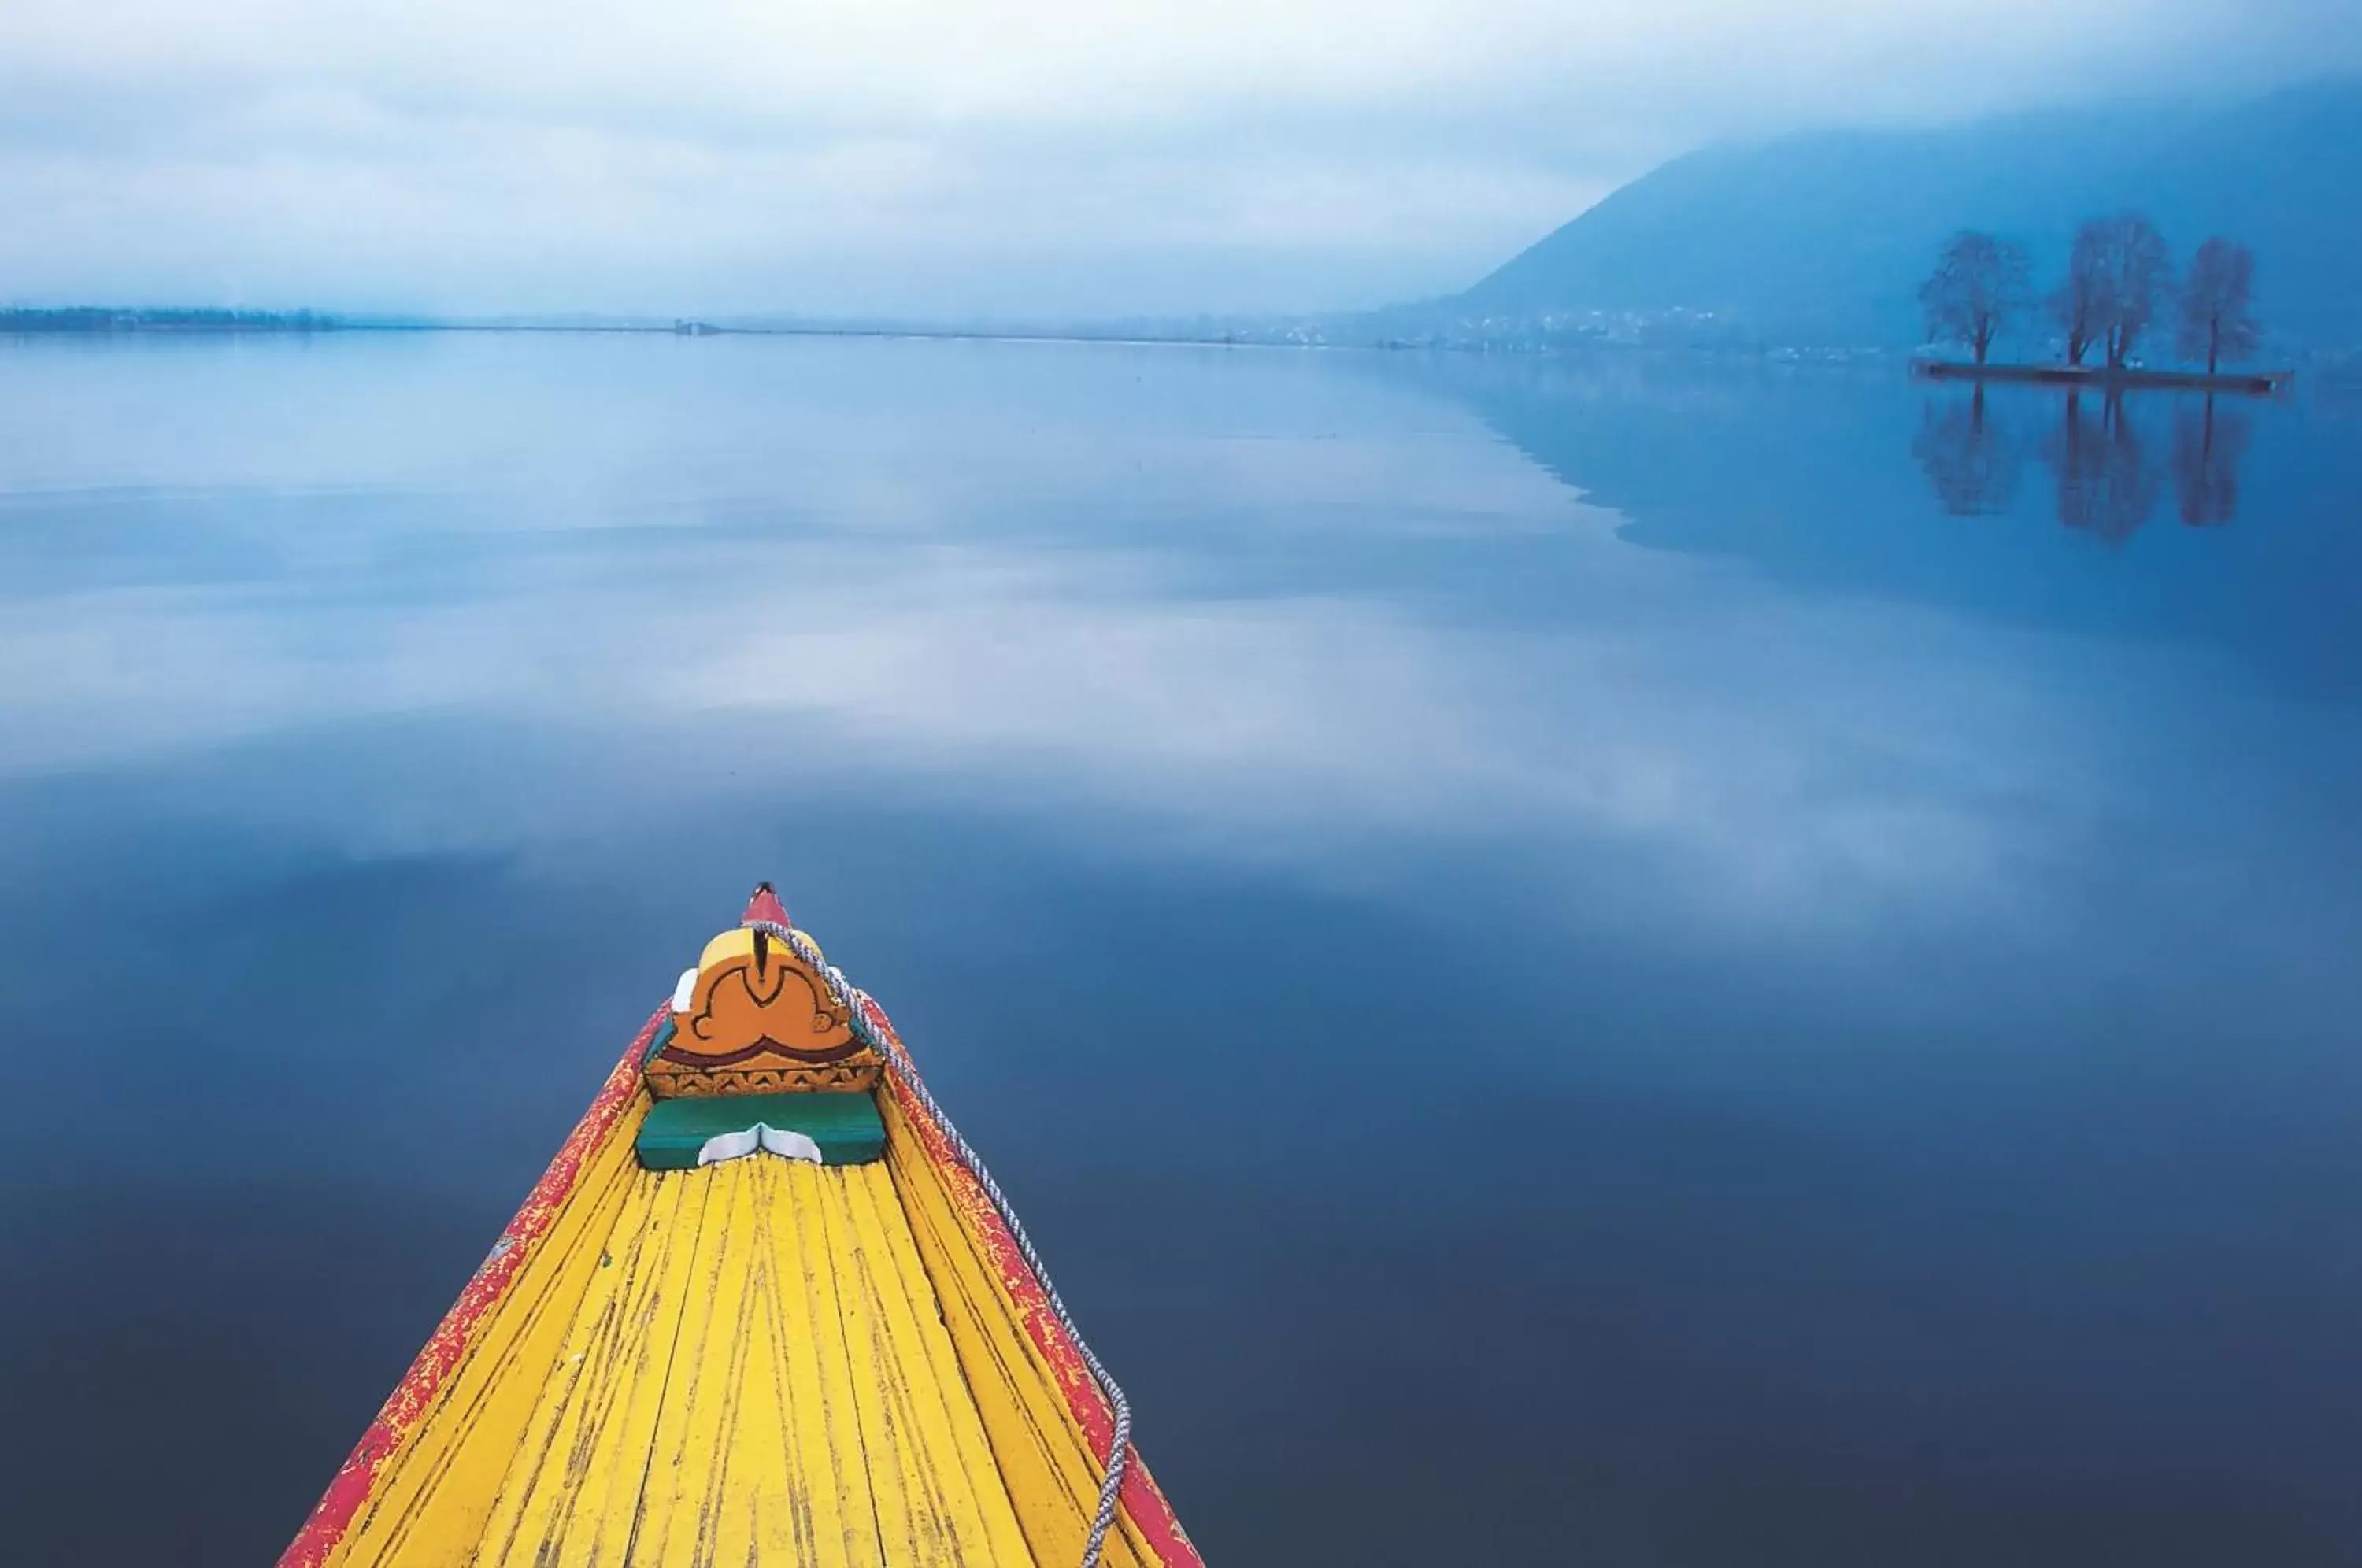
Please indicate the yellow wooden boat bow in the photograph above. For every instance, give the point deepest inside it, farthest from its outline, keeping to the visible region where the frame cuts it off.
(764, 1308)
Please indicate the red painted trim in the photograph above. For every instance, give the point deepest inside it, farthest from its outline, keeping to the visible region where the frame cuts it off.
(765, 905)
(341, 1503)
(1144, 1500)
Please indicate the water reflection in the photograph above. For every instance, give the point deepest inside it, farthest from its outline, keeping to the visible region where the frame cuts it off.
(2105, 484)
(2207, 446)
(1369, 844)
(1820, 481)
(1971, 463)
(2102, 457)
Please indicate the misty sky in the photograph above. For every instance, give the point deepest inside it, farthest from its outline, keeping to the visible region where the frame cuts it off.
(1043, 159)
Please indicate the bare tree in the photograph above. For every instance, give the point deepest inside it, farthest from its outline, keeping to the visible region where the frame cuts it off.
(1979, 285)
(2135, 274)
(2218, 319)
(2081, 306)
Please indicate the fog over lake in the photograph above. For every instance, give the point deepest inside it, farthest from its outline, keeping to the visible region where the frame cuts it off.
(1729, 963)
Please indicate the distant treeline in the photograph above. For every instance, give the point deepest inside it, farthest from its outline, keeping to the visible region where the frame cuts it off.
(91, 318)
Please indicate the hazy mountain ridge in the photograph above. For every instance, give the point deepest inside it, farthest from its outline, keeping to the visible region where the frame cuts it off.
(1824, 237)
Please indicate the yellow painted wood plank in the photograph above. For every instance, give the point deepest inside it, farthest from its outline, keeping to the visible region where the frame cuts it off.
(727, 1482)
(963, 1479)
(696, 1443)
(1046, 1473)
(573, 1493)
(921, 1522)
(992, 1349)
(761, 1362)
(828, 1470)
(431, 1501)
(1051, 1472)
(832, 1466)
(883, 1459)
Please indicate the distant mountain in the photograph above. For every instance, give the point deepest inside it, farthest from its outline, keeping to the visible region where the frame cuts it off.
(1824, 237)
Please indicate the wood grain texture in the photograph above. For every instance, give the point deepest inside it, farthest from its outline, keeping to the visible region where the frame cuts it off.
(453, 1338)
(764, 1362)
(741, 1364)
(985, 1284)
(429, 1505)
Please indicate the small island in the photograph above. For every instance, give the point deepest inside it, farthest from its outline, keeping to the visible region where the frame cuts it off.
(2120, 282)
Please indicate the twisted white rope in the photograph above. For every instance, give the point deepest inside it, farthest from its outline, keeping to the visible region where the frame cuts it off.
(860, 1003)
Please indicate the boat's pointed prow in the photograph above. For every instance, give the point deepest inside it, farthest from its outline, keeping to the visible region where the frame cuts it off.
(765, 906)
(767, 1307)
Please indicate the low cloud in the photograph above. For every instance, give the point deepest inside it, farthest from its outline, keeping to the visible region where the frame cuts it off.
(918, 157)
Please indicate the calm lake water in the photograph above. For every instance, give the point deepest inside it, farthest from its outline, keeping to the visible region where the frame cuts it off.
(1615, 961)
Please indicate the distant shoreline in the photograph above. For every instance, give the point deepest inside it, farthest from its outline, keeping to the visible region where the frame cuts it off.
(11, 326)
(100, 321)
(92, 321)
(1390, 329)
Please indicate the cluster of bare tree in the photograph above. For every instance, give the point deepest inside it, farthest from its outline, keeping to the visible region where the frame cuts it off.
(2120, 280)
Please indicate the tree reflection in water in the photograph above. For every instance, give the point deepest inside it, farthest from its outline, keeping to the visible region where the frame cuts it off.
(2207, 446)
(2106, 481)
(1971, 461)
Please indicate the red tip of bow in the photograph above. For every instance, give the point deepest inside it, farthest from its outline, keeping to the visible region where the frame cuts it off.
(765, 905)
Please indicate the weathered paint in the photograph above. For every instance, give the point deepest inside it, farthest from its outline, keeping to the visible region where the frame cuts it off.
(766, 1359)
(765, 905)
(412, 1396)
(1052, 1474)
(1144, 1504)
(689, 1417)
(755, 1369)
(424, 1499)
(663, 1036)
